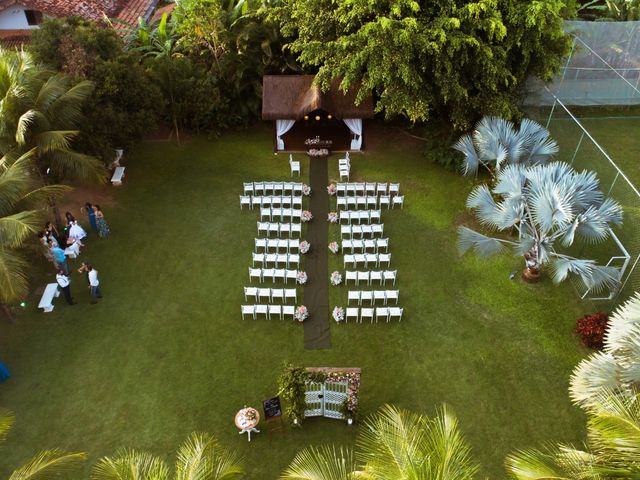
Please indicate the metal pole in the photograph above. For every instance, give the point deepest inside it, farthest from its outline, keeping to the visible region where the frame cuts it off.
(575, 152)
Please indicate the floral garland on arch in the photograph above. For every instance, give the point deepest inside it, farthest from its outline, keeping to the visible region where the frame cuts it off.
(332, 217)
(307, 216)
(304, 247)
(336, 278)
(318, 152)
(306, 190)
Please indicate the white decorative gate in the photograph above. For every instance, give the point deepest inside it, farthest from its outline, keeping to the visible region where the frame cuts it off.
(325, 399)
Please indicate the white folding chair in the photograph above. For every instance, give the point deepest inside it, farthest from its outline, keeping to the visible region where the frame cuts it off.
(290, 294)
(379, 295)
(248, 310)
(344, 161)
(395, 312)
(366, 313)
(248, 188)
(377, 229)
(352, 203)
(345, 231)
(341, 203)
(362, 276)
(296, 214)
(287, 188)
(293, 259)
(367, 230)
(288, 310)
(382, 243)
(370, 258)
(277, 202)
(296, 202)
(284, 228)
(394, 189)
(261, 244)
(384, 200)
(263, 227)
(366, 296)
(392, 295)
(343, 216)
(268, 188)
(375, 276)
(384, 258)
(350, 275)
(349, 259)
(258, 188)
(360, 189)
(382, 312)
(268, 274)
(275, 310)
(279, 274)
(264, 293)
(369, 244)
(251, 292)
(278, 188)
(270, 259)
(262, 310)
(297, 188)
(370, 189)
(265, 212)
(360, 258)
(364, 216)
(361, 202)
(351, 313)
(381, 189)
(351, 189)
(255, 273)
(344, 173)
(257, 258)
(389, 275)
(277, 293)
(341, 188)
(291, 275)
(353, 295)
(286, 213)
(295, 165)
(281, 259)
(357, 230)
(371, 201)
(398, 200)
(282, 244)
(245, 200)
(296, 228)
(293, 244)
(374, 215)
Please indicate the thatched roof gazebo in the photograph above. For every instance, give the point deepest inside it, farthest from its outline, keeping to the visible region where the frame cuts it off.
(301, 110)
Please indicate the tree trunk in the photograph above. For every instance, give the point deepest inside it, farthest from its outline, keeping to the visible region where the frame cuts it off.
(7, 311)
(531, 274)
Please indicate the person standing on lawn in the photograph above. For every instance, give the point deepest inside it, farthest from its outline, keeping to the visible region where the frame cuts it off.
(103, 227)
(94, 283)
(59, 258)
(64, 282)
(91, 212)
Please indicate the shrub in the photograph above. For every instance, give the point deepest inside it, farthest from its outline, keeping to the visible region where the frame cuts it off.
(592, 328)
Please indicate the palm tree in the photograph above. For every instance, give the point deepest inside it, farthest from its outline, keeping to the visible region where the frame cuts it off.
(394, 444)
(496, 143)
(155, 40)
(46, 464)
(22, 199)
(200, 457)
(612, 450)
(616, 369)
(546, 205)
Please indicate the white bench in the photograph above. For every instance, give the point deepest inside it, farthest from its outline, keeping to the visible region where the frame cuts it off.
(118, 175)
(46, 302)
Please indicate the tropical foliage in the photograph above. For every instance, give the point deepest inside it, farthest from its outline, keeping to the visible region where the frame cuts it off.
(394, 444)
(548, 206)
(46, 464)
(199, 457)
(617, 368)
(612, 450)
(496, 143)
(619, 10)
(453, 60)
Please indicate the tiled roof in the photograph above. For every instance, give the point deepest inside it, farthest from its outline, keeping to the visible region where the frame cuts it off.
(14, 38)
(157, 15)
(126, 10)
(134, 9)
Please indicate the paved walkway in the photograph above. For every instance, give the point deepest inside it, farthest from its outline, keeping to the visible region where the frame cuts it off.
(316, 292)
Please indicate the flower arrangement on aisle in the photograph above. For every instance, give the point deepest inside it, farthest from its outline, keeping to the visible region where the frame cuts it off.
(318, 152)
(332, 217)
(301, 313)
(338, 314)
(304, 247)
(336, 278)
(306, 190)
(307, 216)
(302, 277)
(332, 189)
(334, 247)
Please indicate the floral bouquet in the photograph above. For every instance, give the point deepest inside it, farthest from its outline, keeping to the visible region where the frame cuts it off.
(304, 246)
(332, 217)
(250, 414)
(306, 190)
(334, 247)
(302, 277)
(307, 216)
(336, 278)
(301, 313)
(332, 189)
(338, 314)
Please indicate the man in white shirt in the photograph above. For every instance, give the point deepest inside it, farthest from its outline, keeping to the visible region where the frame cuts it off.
(64, 282)
(94, 283)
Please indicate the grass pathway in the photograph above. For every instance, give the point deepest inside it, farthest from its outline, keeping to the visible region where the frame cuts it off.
(316, 294)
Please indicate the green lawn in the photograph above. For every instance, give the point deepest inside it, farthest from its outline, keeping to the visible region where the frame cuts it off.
(166, 353)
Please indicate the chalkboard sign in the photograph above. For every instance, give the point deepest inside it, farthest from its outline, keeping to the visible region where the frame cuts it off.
(272, 408)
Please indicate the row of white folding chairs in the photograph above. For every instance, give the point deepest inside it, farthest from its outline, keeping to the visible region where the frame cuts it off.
(370, 276)
(268, 311)
(373, 188)
(286, 201)
(370, 201)
(362, 245)
(271, 294)
(271, 212)
(280, 228)
(372, 296)
(385, 313)
(273, 274)
(275, 259)
(366, 216)
(272, 188)
(367, 258)
(345, 171)
(370, 230)
(276, 244)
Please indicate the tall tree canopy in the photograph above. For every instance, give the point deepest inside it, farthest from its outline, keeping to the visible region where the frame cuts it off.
(454, 59)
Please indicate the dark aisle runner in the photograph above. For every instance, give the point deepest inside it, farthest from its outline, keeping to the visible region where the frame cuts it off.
(316, 292)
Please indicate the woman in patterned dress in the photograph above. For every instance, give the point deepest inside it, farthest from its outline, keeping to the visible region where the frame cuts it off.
(101, 223)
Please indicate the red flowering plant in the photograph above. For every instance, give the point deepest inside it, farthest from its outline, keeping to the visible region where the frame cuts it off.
(592, 328)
